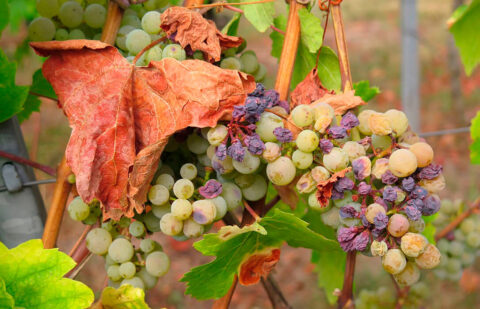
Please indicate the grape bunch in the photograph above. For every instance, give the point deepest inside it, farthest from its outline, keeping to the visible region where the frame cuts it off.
(460, 247)
(385, 298)
(246, 62)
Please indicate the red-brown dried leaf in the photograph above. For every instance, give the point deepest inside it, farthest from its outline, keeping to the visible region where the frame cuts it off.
(257, 266)
(342, 102)
(324, 192)
(121, 115)
(287, 193)
(308, 90)
(191, 29)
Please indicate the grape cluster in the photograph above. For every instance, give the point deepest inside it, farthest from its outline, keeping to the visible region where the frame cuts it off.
(139, 266)
(461, 246)
(385, 298)
(246, 62)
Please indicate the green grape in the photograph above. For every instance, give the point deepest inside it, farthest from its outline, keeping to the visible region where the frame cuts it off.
(226, 165)
(473, 239)
(467, 258)
(113, 272)
(409, 275)
(204, 211)
(183, 188)
(303, 115)
(455, 276)
(127, 270)
(231, 63)
(349, 222)
(188, 171)
(165, 180)
(198, 55)
(381, 142)
(137, 229)
(307, 141)
(47, 8)
(394, 261)
(102, 2)
(416, 226)
(149, 280)
(147, 245)
(181, 209)
(257, 190)
(98, 241)
(315, 204)
(272, 152)
(95, 15)
(331, 217)
(135, 282)
(336, 160)
(379, 124)
(76, 34)
(354, 150)
(71, 14)
(249, 164)
(232, 195)
(150, 5)
(217, 134)
(347, 198)
(120, 250)
(197, 144)
(398, 225)
(151, 22)
(456, 248)
(281, 171)
(302, 160)
(402, 163)
(221, 206)
(124, 222)
(413, 244)
(265, 126)
(174, 51)
(430, 257)
(41, 29)
(398, 121)
(78, 210)
(249, 62)
(261, 73)
(363, 118)
(132, 20)
(192, 229)
(378, 248)
(137, 40)
(61, 35)
(373, 210)
(157, 263)
(158, 195)
(153, 54)
(319, 173)
(443, 245)
(231, 52)
(109, 261)
(454, 265)
(169, 225)
(423, 152)
(244, 181)
(204, 160)
(121, 39)
(467, 226)
(108, 226)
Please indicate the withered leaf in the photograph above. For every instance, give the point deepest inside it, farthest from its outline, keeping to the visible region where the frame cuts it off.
(287, 193)
(258, 265)
(324, 192)
(191, 29)
(121, 115)
(342, 102)
(308, 90)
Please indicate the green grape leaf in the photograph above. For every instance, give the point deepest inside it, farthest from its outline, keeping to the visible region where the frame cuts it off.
(260, 15)
(125, 297)
(429, 232)
(4, 15)
(232, 27)
(328, 66)
(311, 31)
(41, 86)
(32, 104)
(475, 134)
(20, 11)
(33, 277)
(214, 279)
(13, 96)
(330, 266)
(363, 90)
(466, 33)
(6, 300)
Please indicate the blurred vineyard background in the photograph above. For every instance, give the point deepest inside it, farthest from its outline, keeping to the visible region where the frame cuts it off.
(373, 31)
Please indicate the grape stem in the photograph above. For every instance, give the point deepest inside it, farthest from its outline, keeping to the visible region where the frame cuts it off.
(225, 4)
(44, 168)
(345, 300)
(459, 219)
(42, 96)
(271, 203)
(163, 38)
(402, 294)
(80, 239)
(251, 211)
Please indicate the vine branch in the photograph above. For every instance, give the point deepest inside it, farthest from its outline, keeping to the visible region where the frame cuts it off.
(459, 219)
(44, 168)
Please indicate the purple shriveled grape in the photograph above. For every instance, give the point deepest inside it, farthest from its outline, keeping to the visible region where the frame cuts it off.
(236, 151)
(283, 135)
(349, 121)
(408, 184)
(337, 132)
(238, 111)
(254, 144)
(413, 213)
(259, 90)
(211, 189)
(380, 221)
(419, 192)
(326, 145)
(430, 172)
(431, 205)
(364, 188)
(221, 152)
(388, 178)
(344, 184)
(389, 194)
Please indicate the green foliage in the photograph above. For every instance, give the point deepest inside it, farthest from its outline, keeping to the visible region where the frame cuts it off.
(232, 27)
(4, 15)
(20, 11)
(259, 15)
(330, 266)
(125, 297)
(6, 300)
(363, 90)
(429, 232)
(33, 277)
(214, 279)
(40, 86)
(328, 66)
(466, 32)
(311, 31)
(475, 134)
(13, 96)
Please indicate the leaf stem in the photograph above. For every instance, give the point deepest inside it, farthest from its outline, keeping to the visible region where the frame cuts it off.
(44, 168)
(43, 96)
(147, 48)
(271, 203)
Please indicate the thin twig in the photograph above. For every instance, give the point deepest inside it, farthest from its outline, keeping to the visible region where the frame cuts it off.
(147, 48)
(212, 5)
(251, 211)
(44, 168)
(270, 204)
(456, 222)
(43, 96)
(277, 30)
(80, 239)
(234, 9)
